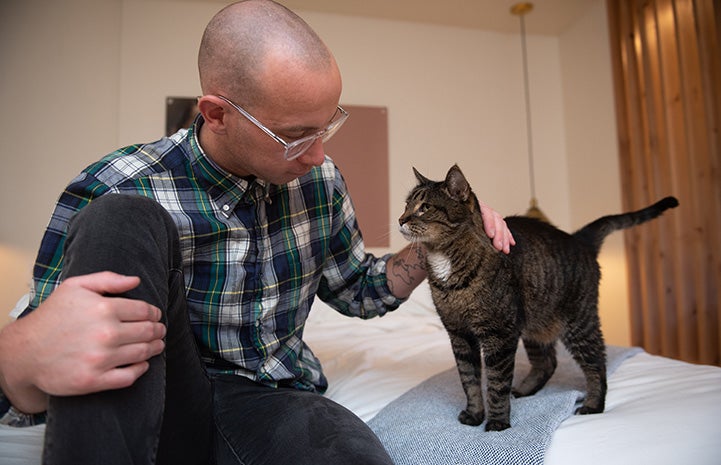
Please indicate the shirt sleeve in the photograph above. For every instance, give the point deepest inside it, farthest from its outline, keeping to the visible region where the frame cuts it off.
(9, 416)
(49, 261)
(354, 282)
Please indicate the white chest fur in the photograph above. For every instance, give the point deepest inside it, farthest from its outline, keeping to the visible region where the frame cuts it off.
(440, 265)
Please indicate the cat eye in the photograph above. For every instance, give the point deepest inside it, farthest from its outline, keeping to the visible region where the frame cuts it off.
(423, 208)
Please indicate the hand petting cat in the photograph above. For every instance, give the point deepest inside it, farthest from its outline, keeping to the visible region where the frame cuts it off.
(496, 228)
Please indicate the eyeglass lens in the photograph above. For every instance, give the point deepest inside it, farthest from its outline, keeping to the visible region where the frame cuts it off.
(300, 146)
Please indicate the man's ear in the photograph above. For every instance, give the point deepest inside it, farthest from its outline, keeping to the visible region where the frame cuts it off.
(214, 111)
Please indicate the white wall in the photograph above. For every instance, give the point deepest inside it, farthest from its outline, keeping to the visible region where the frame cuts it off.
(59, 62)
(592, 147)
(82, 77)
(453, 95)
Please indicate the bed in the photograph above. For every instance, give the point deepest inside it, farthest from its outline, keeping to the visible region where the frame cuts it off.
(658, 410)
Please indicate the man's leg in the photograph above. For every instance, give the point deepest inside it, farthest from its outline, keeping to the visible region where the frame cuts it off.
(135, 236)
(258, 425)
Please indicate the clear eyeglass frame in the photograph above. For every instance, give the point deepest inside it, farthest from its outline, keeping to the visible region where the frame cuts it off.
(298, 147)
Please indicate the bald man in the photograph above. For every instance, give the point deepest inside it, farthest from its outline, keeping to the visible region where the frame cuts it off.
(174, 280)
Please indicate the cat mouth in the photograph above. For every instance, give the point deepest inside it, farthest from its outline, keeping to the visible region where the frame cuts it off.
(408, 234)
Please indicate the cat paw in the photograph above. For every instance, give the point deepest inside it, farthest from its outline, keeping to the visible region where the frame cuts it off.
(469, 419)
(497, 425)
(585, 410)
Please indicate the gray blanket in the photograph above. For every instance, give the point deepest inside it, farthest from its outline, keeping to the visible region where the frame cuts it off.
(421, 426)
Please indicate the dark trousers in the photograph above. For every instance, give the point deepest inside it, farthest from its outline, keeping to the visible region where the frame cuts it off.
(175, 413)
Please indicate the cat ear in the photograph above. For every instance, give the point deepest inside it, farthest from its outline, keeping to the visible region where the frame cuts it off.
(421, 179)
(456, 184)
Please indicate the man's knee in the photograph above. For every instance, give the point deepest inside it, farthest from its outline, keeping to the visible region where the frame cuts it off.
(127, 234)
(118, 211)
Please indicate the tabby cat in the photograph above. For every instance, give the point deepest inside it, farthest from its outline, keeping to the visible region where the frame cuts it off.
(544, 290)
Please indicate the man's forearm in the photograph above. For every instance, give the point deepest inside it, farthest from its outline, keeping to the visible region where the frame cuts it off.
(406, 270)
(23, 395)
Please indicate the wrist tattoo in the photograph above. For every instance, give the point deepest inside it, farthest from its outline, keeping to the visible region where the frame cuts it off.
(404, 270)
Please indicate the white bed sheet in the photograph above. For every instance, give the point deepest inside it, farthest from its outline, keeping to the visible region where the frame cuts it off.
(658, 410)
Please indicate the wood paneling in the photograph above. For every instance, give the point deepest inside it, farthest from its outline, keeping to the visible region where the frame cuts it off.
(667, 75)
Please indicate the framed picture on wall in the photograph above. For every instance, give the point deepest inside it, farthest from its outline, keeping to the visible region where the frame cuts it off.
(360, 149)
(179, 113)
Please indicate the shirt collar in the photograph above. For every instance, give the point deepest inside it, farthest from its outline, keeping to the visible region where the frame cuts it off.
(225, 189)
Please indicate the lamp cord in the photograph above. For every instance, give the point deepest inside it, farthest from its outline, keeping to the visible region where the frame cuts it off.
(529, 131)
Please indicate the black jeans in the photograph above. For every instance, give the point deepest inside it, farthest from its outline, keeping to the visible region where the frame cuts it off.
(167, 411)
(259, 425)
(175, 413)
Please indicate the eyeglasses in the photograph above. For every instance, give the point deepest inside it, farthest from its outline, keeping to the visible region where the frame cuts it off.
(297, 147)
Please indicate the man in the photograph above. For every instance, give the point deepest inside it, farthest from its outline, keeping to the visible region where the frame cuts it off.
(189, 265)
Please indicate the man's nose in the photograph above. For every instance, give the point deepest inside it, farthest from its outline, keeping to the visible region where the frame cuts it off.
(315, 155)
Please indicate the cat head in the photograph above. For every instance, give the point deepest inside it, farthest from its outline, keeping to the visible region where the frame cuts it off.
(435, 209)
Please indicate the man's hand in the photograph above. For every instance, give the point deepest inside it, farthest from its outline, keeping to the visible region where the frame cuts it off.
(79, 341)
(496, 228)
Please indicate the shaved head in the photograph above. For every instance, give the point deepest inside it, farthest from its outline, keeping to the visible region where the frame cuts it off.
(242, 38)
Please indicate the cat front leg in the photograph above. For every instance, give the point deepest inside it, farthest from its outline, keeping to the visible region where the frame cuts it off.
(467, 352)
(500, 360)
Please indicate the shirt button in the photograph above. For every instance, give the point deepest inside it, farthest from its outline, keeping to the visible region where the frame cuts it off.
(226, 208)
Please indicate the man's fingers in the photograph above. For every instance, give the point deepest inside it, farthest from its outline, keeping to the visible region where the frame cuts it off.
(106, 282)
(489, 222)
(122, 377)
(140, 331)
(124, 367)
(135, 310)
(505, 240)
(132, 354)
(496, 228)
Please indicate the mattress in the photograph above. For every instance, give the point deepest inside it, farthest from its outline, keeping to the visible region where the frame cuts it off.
(658, 410)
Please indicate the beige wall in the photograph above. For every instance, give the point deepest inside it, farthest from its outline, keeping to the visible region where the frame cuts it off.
(59, 91)
(591, 144)
(81, 77)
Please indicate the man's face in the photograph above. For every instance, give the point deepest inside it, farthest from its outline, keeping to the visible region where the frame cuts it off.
(299, 103)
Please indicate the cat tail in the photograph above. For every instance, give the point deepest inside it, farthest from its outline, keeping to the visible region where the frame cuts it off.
(595, 232)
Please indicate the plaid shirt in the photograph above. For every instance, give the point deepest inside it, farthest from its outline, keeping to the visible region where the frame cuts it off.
(254, 254)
